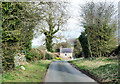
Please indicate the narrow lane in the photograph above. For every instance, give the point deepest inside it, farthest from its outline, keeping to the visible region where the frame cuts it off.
(62, 71)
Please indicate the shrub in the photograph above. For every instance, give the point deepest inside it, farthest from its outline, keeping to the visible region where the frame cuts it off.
(8, 58)
(34, 54)
(48, 56)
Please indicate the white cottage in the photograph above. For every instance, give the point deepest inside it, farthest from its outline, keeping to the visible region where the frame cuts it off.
(66, 53)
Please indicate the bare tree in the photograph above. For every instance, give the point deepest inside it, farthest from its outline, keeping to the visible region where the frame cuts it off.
(54, 16)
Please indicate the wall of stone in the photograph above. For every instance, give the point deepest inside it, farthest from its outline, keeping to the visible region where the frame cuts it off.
(20, 59)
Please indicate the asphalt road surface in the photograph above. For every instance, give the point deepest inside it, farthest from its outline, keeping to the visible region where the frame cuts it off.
(62, 71)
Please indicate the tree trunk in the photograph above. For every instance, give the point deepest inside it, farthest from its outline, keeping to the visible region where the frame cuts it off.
(49, 45)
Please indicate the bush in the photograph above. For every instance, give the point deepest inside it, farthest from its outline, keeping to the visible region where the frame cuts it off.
(34, 54)
(8, 58)
(78, 54)
(48, 56)
(7, 62)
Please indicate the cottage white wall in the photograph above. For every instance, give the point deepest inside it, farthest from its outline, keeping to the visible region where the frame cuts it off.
(62, 55)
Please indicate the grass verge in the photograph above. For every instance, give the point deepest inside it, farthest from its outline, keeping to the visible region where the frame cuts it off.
(104, 69)
(34, 72)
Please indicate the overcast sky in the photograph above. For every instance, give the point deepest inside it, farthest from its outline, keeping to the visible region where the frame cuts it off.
(74, 30)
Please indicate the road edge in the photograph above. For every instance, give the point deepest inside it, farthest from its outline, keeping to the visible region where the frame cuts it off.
(86, 73)
(43, 78)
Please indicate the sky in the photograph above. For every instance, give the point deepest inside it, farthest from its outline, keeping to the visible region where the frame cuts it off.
(73, 28)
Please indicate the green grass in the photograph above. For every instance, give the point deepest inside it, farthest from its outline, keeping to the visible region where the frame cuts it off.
(103, 68)
(34, 73)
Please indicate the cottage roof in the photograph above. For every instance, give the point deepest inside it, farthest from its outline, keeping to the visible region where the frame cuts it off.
(66, 50)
